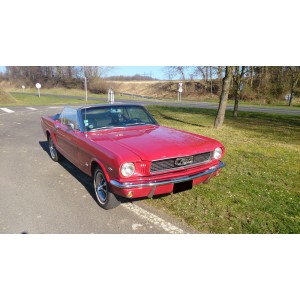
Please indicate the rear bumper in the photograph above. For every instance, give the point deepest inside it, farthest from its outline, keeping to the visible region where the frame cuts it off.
(152, 184)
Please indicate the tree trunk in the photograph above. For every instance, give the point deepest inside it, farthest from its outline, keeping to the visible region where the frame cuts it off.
(238, 77)
(294, 84)
(224, 97)
(211, 85)
(251, 76)
(294, 81)
(236, 103)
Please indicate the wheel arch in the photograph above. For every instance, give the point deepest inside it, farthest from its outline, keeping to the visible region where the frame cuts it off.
(96, 163)
(51, 134)
(48, 134)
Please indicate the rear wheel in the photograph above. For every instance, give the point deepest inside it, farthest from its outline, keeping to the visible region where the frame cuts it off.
(105, 198)
(54, 154)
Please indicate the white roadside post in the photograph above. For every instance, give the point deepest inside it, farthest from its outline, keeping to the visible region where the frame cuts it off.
(179, 91)
(23, 88)
(38, 86)
(85, 87)
(111, 96)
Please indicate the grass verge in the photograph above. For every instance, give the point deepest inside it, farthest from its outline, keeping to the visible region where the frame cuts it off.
(30, 100)
(60, 96)
(259, 189)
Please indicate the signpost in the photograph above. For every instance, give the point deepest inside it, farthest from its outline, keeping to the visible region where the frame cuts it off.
(179, 91)
(111, 96)
(85, 87)
(23, 88)
(38, 86)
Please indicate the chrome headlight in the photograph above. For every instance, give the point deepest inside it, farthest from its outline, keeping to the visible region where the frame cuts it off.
(127, 169)
(217, 153)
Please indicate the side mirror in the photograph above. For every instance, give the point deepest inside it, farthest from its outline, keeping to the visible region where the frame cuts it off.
(71, 126)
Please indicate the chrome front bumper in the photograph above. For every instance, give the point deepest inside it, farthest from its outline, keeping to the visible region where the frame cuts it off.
(130, 185)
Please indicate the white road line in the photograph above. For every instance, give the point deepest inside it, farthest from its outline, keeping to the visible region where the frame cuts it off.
(166, 226)
(7, 110)
(32, 108)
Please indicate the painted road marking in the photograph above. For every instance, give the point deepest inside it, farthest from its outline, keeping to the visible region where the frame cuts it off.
(7, 110)
(166, 226)
(32, 108)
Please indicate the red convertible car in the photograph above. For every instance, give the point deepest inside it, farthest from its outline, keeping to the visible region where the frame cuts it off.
(128, 154)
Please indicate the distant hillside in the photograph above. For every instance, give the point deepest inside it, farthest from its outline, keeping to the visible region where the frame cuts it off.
(6, 98)
(161, 89)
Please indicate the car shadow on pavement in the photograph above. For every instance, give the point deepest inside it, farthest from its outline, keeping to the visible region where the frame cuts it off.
(84, 179)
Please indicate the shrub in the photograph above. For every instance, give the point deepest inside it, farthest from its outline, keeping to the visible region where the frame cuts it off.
(99, 86)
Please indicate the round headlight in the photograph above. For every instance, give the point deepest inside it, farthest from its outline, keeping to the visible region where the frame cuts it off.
(127, 169)
(217, 153)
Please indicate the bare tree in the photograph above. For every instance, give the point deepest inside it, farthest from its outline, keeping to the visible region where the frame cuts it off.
(238, 75)
(202, 72)
(224, 97)
(174, 71)
(294, 77)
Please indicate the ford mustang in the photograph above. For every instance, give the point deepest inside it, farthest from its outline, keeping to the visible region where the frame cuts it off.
(128, 154)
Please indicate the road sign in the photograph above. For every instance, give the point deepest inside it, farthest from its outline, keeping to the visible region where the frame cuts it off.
(179, 90)
(38, 86)
(180, 87)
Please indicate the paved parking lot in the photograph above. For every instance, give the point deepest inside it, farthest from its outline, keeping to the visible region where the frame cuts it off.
(40, 196)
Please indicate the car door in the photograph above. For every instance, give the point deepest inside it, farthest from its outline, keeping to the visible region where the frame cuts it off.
(67, 134)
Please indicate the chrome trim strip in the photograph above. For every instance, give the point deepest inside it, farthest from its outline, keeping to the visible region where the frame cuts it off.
(129, 185)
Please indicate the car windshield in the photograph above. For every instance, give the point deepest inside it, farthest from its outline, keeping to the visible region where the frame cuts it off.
(97, 118)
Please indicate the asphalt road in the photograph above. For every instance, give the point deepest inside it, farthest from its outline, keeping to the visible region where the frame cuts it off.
(38, 195)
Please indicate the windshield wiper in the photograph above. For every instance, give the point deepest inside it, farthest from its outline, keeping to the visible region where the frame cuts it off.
(138, 123)
(106, 127)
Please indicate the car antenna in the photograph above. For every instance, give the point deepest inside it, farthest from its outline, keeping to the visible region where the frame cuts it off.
(85, 86)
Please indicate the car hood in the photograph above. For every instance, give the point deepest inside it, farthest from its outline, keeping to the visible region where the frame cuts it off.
(156, 142)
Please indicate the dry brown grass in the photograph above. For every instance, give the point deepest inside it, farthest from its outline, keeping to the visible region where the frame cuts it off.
(157, 89)
(6, 98)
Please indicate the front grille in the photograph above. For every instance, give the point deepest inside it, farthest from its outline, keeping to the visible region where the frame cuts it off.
(169, 164)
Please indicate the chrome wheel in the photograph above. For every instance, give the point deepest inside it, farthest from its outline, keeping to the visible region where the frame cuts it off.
(54, 154)
(105, 198)
(52, 149)
(100, 185)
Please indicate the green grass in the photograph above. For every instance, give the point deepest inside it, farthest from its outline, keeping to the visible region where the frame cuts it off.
(24, 98)
(259, 189)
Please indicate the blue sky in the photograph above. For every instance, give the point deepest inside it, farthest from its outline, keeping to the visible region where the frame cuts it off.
(153, 71)
(156, 72)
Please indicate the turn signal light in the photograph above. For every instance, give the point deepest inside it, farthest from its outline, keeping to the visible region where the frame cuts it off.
(130, 194)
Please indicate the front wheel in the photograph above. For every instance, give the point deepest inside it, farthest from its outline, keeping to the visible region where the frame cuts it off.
(105, 198)
(54, 154)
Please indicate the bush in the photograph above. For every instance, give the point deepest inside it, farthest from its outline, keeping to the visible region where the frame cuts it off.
(99, 86)
(248, 94)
